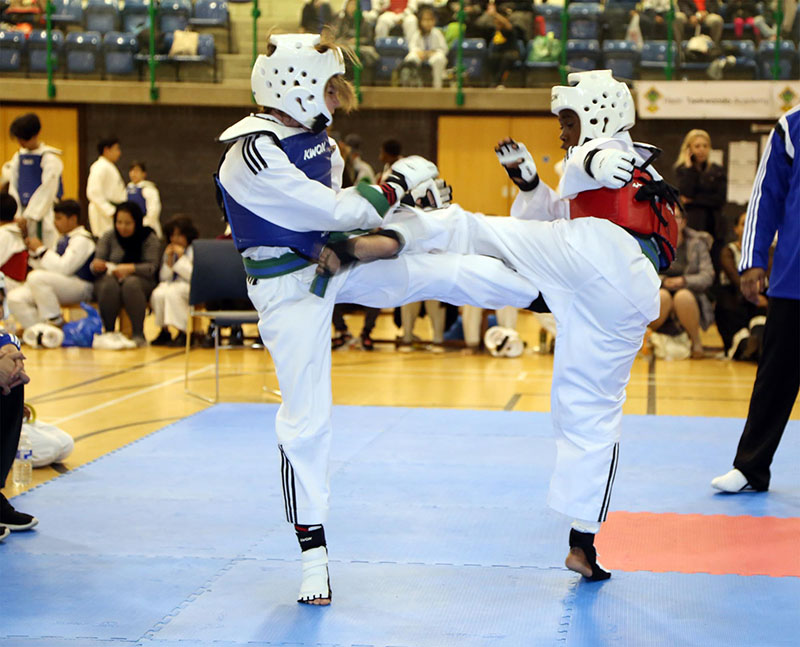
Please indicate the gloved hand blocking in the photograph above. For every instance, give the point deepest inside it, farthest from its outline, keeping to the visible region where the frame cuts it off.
(611, 168)
(431, 194)
(518, 163)
(406, 174)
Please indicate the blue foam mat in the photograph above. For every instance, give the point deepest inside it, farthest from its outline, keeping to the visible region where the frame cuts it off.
(439, 535)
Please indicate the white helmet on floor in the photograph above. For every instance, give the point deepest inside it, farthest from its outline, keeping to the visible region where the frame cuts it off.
(503, 342)
(292, 79)
(603, 104)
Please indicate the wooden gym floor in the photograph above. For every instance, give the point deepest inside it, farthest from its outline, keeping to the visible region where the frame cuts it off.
(106, 399)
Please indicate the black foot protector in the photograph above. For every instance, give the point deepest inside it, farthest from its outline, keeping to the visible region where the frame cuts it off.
(584, 542)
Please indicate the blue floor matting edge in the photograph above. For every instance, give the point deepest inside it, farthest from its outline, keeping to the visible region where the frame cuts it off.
(439, 536)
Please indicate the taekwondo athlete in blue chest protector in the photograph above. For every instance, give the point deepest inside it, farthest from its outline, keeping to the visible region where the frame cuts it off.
(593, 249)
(280, 186)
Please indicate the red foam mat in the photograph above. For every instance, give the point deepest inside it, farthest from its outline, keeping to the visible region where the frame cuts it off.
(696, 543)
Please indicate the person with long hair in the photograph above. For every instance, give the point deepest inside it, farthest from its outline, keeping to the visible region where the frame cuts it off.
(126, 262)
(703, 187)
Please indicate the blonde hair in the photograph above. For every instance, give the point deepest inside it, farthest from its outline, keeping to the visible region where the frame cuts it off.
(327, 40)
(685, 155)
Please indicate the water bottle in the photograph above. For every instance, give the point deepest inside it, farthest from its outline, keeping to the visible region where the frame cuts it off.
(22, 474)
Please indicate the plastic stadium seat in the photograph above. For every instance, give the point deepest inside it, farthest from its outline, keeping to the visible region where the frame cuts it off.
(119, 53)
(585, 20)
(622, 58)
(745, 53)
(101, 16)
(552, 17)
(473, 56)
(787, 63)
(135, 15)
(12, 47)
(391, 52)
(212, 13)
(82, 52)
(37, 50)
(174, 14)
(67, 12)
(583, 55)
(654, 58)
(206, 54)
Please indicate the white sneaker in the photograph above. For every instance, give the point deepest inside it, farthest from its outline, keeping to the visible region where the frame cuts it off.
(734, 481)
(316, 581)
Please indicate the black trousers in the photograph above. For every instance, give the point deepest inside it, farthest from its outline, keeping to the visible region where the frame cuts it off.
(11, 409)
(774, 392)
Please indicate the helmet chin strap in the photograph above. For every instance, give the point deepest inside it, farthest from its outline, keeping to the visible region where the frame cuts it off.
(320, 123)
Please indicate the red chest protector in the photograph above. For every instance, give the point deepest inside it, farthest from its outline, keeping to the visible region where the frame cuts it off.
(644, 207)
(16, 267)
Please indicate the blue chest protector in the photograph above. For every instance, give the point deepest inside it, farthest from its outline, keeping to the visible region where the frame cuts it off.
(84, 272)
(136, 196)
(30, 177)
(312, 155)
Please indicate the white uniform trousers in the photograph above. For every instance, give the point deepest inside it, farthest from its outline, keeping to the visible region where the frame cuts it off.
(42, 295)
(295, 327)
(437, 61)
(170, 304)
(471, 318)
(603, 292)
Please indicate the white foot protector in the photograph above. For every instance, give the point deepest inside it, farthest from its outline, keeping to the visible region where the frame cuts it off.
(734, 481)
(316, 581)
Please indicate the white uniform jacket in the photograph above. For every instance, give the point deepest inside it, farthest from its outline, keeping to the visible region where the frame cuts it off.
(105, 189)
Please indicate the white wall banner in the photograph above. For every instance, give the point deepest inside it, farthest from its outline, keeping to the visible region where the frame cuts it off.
(742, 165)
(715, 99)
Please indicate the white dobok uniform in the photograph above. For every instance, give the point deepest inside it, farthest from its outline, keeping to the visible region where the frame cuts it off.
(170, 299)
(603, 292)
(61, 276)
(105, 189)
(34, 177)
(295, 324)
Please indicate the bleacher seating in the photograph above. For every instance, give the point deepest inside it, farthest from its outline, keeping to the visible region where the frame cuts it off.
(212, 13)
(12, 50)
(473, 57)
(135, 15)
(119, 53)
(67, 12)
(552, 17)
(101, 16)
(745, 53)
(82, 53)
(788, 62)
(174, 14)
(391, 52)
(37, 50)
(584, 20)
(206, 55)
(583, 54)
(653, 58)
(622, 58)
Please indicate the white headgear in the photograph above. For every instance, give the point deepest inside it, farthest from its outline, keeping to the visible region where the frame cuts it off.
(503, 342)
(603, 105)
(292, 79)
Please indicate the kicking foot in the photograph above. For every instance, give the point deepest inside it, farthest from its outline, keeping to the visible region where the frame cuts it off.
(732, 482)
(316, 586)
(374, 246)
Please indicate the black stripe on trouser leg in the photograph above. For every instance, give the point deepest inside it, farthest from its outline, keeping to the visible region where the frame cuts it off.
(289, 502)
(612, 473)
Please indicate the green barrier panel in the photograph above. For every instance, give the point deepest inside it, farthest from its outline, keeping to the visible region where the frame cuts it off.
(51, 88)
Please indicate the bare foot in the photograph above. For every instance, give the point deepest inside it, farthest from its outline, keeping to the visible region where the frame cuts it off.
(320, 602)
(370, 248)
(576, 561)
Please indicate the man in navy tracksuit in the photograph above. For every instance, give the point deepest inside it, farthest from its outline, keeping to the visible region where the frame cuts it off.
(774, 207)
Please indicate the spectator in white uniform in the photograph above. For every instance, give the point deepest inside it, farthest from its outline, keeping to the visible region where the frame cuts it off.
(143, 192)
(34, 177)
(61, 276)
(105, 187)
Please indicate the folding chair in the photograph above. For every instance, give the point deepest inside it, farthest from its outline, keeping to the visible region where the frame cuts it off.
(217, 274)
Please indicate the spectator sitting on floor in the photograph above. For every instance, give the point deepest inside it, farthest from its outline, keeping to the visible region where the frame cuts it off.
(13, 250)
(170, 299)
(684, 286)
(61, 276)
(126, 264)
(733, 312)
